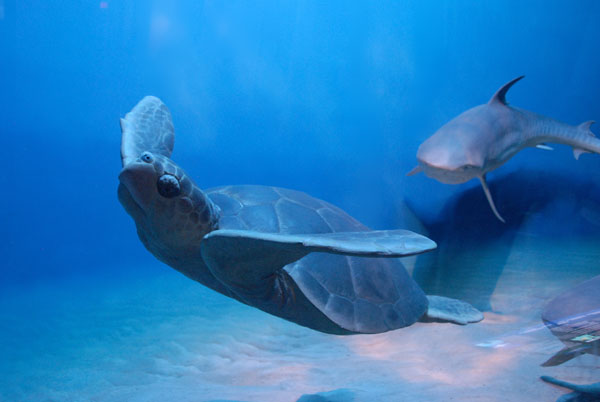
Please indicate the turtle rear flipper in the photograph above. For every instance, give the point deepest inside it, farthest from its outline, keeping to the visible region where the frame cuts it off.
(446, 309)
(147, 127)
(359, 297)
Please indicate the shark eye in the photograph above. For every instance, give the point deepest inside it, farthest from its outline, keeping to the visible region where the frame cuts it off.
(147, 157)
(168, 186)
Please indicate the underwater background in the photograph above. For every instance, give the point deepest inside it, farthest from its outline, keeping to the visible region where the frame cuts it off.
(330, 98)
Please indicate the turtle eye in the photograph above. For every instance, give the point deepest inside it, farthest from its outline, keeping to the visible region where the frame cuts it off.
(168, 186)
(147, 157)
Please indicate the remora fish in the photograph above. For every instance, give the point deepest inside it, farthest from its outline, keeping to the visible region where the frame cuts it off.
(574, 318)
(483, 138)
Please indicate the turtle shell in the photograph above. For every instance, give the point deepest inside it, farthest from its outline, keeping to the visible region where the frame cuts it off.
(360, 294)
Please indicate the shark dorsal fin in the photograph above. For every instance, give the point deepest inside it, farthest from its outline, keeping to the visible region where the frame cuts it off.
(500, 95)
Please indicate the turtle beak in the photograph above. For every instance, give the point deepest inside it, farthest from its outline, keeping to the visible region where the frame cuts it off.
(140, 181)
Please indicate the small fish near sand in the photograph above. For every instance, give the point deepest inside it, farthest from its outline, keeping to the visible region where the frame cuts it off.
(485, 137)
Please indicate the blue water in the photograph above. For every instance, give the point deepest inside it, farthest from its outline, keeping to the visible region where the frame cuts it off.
(331, 98)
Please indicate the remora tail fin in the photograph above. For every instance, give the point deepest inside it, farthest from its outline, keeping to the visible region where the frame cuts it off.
(564, 355)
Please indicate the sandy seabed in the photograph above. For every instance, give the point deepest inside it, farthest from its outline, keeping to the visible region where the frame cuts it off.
(170, 339)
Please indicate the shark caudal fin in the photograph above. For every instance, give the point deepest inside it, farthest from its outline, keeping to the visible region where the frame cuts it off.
(585, 126)
(488, 195)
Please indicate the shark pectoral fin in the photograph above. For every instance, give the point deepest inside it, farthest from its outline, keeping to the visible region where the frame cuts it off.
(486, 190)
(416, 169)
(544, 147)
(578, 151)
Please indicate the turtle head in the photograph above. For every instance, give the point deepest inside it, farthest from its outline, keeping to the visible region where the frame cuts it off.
(171, 213)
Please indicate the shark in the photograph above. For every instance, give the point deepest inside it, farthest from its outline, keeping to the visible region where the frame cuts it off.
(485, 137)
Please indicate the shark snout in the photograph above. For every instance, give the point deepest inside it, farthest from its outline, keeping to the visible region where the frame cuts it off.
(449, 174)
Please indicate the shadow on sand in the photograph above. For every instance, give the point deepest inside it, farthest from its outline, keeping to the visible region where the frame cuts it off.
(473, 246)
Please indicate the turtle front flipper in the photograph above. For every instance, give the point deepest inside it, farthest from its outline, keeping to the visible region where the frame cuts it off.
(456, 311)
(147, 128)
(374, 243)
(360, 295)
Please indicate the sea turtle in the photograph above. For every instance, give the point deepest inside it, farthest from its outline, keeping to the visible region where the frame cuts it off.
(279, 250)
(574, 318)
